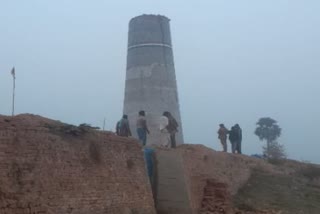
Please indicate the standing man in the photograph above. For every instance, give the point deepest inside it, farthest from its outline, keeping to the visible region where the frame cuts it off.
(123, 128)
(164, 133)
(222, 135)
(142, 128)
(239, 138)
(172, 128)
(233, 138)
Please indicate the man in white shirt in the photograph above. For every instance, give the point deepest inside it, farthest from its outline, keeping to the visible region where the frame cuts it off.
(164, 133)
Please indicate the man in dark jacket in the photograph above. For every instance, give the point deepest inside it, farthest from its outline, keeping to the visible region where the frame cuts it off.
(172, 128)
(123, 128)
(239, 138)
(233, 138)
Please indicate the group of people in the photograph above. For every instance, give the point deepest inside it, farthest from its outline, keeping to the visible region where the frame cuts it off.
(235, 138)
(168, 127)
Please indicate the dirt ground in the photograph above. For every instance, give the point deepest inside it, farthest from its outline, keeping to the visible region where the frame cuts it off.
(216, 182)
(294, 193)
(237, 184)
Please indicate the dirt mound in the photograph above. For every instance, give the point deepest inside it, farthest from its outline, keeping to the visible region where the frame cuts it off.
(51, 167)
(36, 122)
(229, 183)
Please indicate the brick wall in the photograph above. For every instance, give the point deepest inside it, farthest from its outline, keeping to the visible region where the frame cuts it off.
(203, 166)
(47, 167)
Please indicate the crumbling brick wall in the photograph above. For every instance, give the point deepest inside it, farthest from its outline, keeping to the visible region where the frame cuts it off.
(216, 198)
(207, 171)
(50, 167)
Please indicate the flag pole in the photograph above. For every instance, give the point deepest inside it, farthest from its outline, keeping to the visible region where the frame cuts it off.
(14, 88)
(104, 123)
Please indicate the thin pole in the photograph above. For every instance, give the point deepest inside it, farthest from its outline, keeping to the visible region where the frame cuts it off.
(13, 93)
(104, 123)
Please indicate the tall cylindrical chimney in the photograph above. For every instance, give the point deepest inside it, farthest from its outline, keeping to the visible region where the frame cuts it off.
(150, 78)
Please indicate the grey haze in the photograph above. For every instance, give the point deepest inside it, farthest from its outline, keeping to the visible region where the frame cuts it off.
(235, 61)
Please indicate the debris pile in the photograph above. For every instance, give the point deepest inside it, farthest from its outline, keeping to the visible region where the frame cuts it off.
(216, 199)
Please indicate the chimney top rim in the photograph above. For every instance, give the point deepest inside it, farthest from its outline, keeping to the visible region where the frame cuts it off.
(149, 16)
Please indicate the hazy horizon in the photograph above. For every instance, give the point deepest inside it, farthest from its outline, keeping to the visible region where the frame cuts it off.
(235, 63)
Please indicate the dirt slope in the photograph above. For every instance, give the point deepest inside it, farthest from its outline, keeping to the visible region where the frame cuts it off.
(294, 192)
(231, 183)
(51, 167)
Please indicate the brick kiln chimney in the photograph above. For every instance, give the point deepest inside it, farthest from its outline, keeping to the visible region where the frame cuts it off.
(150, 77)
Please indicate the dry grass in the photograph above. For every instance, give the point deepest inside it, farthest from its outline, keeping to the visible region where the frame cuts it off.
(286, 193)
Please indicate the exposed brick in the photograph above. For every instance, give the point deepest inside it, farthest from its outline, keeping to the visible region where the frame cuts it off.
(46, 170)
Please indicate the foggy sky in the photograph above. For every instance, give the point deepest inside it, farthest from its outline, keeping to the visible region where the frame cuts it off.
(236, 61)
